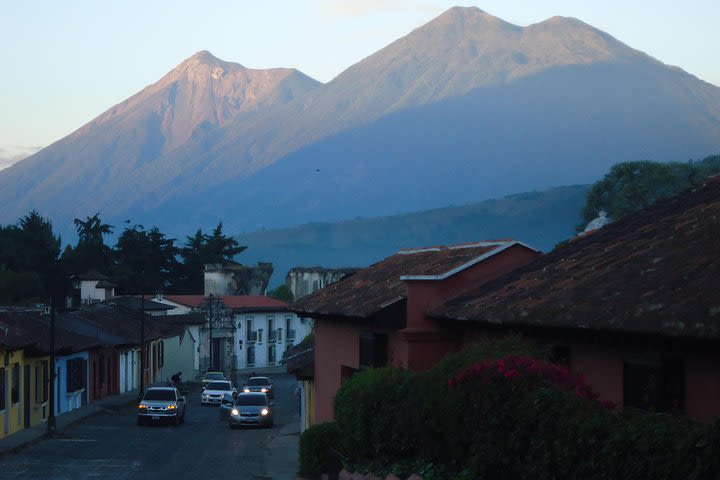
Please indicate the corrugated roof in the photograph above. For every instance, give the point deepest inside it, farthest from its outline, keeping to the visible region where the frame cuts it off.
(653, 272)
(380, 285)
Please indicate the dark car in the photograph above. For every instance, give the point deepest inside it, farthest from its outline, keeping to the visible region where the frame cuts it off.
(251, 409)
(260, 385)
(161, 404)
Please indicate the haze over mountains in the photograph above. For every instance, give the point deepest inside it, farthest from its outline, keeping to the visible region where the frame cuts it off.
(465, 108)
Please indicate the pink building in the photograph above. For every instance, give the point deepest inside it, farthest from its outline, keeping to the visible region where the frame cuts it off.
(635, 306)
(378, 316)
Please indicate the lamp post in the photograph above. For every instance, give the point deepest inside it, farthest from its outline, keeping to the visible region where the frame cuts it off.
(142, 345)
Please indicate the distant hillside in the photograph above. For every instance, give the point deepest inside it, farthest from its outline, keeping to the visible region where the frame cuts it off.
(541, 219)
(465, 108)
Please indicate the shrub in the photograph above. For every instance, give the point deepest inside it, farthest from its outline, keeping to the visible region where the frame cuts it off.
(372, 410)
(316, 455)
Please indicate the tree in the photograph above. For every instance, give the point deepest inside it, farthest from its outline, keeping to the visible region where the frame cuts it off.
(282, 293)
(29, 253)
(632, 186)
(202, 249)
(145, 260)
(90, 253)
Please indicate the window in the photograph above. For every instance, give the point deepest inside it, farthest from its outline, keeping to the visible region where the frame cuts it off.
(259, 335)
(161, 354)
(373, 350)
(656, 385)
(76, 373)
(289, 332)
(249, 324)
(41, 382)
(2, 389)
(15, 389)
(271, 328)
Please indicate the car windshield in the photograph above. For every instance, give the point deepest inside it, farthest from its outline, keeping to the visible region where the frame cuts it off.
(159, 395)
(258, 381)
(251, 400)
(218, 386)
(214, 376)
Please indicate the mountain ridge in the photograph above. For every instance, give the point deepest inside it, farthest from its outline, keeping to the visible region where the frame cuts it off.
(467, 91)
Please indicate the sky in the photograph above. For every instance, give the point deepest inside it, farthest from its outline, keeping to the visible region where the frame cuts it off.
(62, 63)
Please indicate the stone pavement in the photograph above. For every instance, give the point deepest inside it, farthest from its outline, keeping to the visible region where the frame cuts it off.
(30, 435)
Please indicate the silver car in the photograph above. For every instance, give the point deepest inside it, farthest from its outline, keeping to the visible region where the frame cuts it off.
(213, 392)
(251, 409)
(259, 384)
(161, 404)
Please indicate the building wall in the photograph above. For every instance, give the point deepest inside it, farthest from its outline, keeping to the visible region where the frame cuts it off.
(702, 386)
(305, 282)
(104, 373)
(11, 417)
(337, 350)
(90, 294)
(39, 390)
(299, 329)
(179, 356)
(65, 400)
(426, 340)
(129, 379)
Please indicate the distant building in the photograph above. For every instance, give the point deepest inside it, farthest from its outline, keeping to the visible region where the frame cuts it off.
(237, 279)
(306, 280)
(91, 287)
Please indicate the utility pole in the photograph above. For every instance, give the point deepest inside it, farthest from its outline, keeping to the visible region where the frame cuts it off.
(210, 318)
(142, 345)
(51, 425)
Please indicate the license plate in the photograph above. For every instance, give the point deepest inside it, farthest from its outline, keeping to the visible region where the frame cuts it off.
(156, 417)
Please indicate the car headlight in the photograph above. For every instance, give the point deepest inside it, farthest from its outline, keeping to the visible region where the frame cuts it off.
(235, 412)
(142, 407)
(246, 390)
(264, 411)
(263, 390)
(172, 407)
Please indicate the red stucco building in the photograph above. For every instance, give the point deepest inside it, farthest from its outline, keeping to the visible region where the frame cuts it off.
(635, 306)
(378, 316)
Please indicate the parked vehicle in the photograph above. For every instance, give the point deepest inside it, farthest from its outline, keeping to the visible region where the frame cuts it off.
(226, 405)
(212, 376)
(253, 409)
(161, 404)
(213, 393)
(259, 384)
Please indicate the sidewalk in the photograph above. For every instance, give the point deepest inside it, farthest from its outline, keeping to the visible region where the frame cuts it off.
(30, 435)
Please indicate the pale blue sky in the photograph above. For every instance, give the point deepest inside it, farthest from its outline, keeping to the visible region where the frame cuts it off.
(65, 62)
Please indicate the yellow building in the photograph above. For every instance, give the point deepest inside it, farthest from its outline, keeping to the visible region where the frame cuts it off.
(12, 417)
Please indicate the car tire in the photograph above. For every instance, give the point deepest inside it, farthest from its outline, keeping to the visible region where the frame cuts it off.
(182, 419)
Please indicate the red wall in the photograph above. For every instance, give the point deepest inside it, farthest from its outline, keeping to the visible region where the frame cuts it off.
(336, 345)
(426, 340)
(702, 386)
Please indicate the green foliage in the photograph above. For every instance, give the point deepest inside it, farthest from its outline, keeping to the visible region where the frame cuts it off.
(317, 450)
(144, 261)
(90, 253)
(201, 249)
(282, 293)
(372, 410)
(483, 414)
(632, 186)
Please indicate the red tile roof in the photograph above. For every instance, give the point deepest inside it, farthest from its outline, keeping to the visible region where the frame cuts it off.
(654, 272)
(234, 302)
(382, 284)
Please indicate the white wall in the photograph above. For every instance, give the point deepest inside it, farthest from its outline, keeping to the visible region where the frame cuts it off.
(261, 320)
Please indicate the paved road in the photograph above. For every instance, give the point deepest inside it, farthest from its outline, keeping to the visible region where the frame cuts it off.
(112, 446)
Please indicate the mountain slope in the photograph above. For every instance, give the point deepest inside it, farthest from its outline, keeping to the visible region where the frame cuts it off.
(464, 108)
(116, 158)
(541, 219)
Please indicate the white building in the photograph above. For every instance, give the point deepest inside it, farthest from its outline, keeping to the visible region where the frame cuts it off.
(90, 288)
